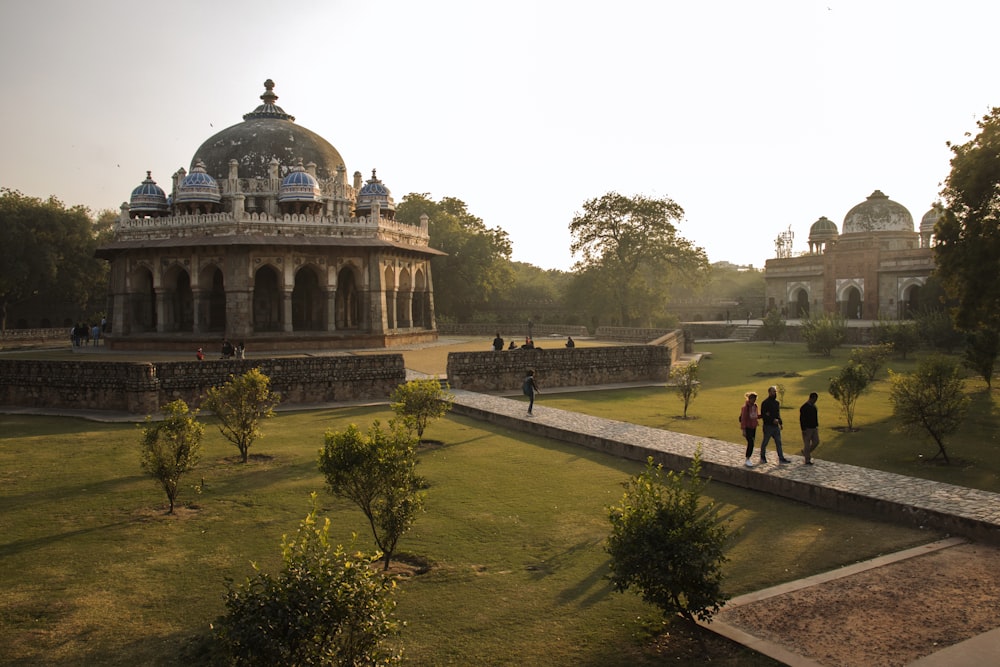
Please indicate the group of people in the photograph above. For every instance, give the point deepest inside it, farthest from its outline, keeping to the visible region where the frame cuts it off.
(229, 351)
(768, 416)
(86, 334)
(529, 343)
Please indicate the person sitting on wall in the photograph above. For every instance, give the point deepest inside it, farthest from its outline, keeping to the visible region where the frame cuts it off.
(512, 346)
(228, 351)
(200, 354)
(570, 342)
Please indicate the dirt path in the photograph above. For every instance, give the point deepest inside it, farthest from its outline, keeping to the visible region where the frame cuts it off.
(887, 616)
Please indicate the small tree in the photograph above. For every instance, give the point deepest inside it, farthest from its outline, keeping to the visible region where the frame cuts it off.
(772, 326)
(669, 544)
(242, 405)
(903, 336)
(685, 382)
(846, 388)
(930, 401)
(824, 333)
(419, 402)
(326, 607)
(171, 447)
(936, 329)
(871, 358)
(981, 349)
(378, 474)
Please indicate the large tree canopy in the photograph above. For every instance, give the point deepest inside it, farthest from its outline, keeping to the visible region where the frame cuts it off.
(46, 248)
(968, 233)
(633, 245)
(476, 269)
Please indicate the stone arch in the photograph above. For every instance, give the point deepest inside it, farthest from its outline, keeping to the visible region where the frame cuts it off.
(347, 303)
(213, 304)
(143, 300)
(178, 299)
(390, 297)
(798, 302)
(307, 301)
(851, 299)
(420, 300)
(910, 301)
(267, 299)
(404, 299)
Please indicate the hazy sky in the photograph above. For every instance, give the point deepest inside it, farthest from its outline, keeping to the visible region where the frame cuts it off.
(753, 116)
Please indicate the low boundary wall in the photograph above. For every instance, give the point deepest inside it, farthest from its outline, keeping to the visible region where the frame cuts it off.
(142, 387)
(573, 367)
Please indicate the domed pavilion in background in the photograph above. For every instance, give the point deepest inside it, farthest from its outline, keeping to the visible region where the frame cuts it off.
(875, 267)
(265, 241)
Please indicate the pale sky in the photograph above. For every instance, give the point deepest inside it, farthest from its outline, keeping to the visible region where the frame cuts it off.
(753, 116)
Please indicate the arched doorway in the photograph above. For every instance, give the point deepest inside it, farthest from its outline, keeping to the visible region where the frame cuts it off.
(910, 302)
(420, 308)
(348, 301)
(390, 298)
(307, 301)
(266, 300)
(214, 318)
(143, 301)
(800, 305)
(403, 297)
(178, 302)
(852, 303)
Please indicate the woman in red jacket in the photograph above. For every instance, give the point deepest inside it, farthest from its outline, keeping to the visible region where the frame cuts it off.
(748, 423)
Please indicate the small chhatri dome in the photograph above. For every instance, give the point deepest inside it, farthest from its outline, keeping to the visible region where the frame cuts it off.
(299, 185)
(148, 199)
(374, 191)
(930, 218)
(878, 213)
(823, 229)
(198, 187)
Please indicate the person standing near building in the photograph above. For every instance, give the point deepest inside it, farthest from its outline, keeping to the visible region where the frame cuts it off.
(748, 423)
(498, 343)
(530, 388)
(809, 422)
(770, 417)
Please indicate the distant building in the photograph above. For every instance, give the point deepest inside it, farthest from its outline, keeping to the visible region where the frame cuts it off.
(874, 267)
(266, 241)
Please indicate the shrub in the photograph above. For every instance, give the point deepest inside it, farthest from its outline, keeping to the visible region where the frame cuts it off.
(685, 382)
(171, 447)
(418, 402)
(846, 388)
(871, 358)
(824, 333)
(242, 405)
(931, 401)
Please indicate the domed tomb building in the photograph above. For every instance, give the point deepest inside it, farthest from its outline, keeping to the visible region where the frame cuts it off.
(873, 267)
(266, 241)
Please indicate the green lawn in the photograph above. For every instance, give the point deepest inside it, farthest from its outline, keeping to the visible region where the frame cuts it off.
(93, 572)
(735, 368)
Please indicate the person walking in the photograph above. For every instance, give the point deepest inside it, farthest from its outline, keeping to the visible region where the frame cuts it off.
(809, 422)
(530, 388)
(748, 423)
(770, 418)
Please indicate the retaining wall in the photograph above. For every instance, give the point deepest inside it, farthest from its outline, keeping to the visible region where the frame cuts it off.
(142, 387)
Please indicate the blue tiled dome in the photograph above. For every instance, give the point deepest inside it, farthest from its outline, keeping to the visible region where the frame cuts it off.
(148, 199)
(374, 191)
(198, 186)
(299, 185)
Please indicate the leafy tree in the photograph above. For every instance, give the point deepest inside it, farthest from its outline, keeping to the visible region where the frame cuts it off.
(47, 251)
(418, 402)
(378, 474)
(773, 325)
(685, 382)
(241, 406)
(171, 447)
(824, 333)
(669, 544)
(847, 387)
(903, 336)
(936, 329)
(326, 607)
(931, 401)
(967, 235)
(633, 245)
(477, 265)
(981, 349)
(871, 358)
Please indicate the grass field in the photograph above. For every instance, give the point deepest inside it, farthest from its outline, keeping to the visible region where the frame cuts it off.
(93, 572)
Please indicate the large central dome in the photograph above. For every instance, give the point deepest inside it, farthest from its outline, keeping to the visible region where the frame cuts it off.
(267, 133)
(878, 213)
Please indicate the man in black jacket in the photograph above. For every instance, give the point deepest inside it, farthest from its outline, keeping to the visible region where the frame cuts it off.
(809, 421)
(770, 417)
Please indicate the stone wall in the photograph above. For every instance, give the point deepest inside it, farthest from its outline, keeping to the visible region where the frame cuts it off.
(630, 334)
(576, 367)
(538, 331)
(142, 387)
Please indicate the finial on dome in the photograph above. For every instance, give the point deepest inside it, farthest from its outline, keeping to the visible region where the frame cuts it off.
(269, 97)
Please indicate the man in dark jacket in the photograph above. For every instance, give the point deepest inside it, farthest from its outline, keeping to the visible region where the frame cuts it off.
(809, 421)
(770, 417)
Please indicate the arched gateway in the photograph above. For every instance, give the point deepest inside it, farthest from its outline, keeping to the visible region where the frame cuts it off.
(265, 241)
